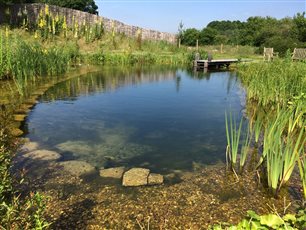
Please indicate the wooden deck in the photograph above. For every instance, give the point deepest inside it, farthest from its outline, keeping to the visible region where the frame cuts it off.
(213, 64)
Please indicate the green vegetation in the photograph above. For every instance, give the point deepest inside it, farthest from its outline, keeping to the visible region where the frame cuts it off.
(278, 86)
(278, 83)
(51, 48)
(270, 221)
(16, 211)
(39, 61)
(283, 34)
(233, 136)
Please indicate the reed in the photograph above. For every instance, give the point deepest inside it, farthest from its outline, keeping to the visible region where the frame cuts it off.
(245, 148)
(233, 132)
(273, 83)
(302, 170)
(282, 146)
(257, 128)
(23, 61)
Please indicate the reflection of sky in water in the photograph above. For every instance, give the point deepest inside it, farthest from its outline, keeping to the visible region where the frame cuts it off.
(166, 120)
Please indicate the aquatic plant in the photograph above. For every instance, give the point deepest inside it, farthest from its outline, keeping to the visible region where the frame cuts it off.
(232, 136)
(281, 148)
(302, 170)
(256, 128)
(268, 221)
(245, 148)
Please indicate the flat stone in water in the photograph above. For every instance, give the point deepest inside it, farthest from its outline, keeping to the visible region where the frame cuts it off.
(116, 173)
(29, 146)
(77, 168)
(136, 177)
(43, 155)
(155, 179)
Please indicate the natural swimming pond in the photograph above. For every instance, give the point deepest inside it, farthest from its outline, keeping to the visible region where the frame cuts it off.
(159, 118)
(168, 120)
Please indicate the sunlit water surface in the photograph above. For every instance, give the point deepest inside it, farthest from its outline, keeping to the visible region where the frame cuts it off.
(159, 118)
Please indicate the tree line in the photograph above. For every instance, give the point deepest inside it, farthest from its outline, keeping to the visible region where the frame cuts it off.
(83, 5)
(281, 34)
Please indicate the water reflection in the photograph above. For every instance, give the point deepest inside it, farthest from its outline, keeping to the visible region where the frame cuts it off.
(163, 119)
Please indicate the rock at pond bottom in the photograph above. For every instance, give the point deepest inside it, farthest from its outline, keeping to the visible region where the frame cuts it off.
(155, 179)
(112, 172)
(77, 168)
(29, 147)
(42, 155)
(136, 177)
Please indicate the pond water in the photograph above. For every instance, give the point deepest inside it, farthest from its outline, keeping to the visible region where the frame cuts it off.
(164, 119)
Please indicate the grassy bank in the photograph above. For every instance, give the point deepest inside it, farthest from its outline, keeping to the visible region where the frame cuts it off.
(274, 83)
(18, 209)
(276, 103)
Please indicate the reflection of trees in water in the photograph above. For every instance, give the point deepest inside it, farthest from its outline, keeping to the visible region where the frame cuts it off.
(108, 79)
(232, 80)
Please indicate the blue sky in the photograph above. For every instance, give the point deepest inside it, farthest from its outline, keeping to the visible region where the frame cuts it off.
(166, 15)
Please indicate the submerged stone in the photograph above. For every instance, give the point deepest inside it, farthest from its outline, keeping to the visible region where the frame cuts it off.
(116, 173)
(136, 177)
(155, 179)
(43, 155)
(77, 168)
(29, 147)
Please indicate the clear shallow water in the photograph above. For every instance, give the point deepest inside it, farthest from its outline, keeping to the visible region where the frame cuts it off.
(162, 119)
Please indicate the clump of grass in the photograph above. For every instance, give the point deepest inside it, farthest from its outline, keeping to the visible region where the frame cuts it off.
(23, 61)
(273, 83)
(233, 132)
(16, 212)
(282, 148)
(239, 137)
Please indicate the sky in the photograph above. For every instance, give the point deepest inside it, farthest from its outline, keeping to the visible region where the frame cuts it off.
(166, 15)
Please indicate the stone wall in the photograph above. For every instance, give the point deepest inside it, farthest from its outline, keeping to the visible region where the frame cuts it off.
(33, 10)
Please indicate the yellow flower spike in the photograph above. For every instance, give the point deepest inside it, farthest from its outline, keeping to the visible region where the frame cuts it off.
(35, 35)
(64, 23)
(53, 26)
(56, 18)
(47, 10)
(6, 32)
(41, 23)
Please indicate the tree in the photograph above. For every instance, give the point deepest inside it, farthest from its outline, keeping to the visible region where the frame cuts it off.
(83, 5)
(300, 26)
(208, 36)
(180, 30)
(190, 36)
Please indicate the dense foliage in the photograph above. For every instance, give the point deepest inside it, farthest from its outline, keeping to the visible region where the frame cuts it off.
(283, 34)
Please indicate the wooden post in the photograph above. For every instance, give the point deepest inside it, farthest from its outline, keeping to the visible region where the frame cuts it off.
(221, 48)
(197, 44)
(206, 65)
(179, 43)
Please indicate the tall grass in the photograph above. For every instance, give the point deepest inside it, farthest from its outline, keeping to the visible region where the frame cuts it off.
(23, 61)
(273, 83)
(124, 58)
(233, 132)
(281, 150)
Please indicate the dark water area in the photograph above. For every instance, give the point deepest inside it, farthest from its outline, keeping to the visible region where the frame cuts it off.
(163, 119)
